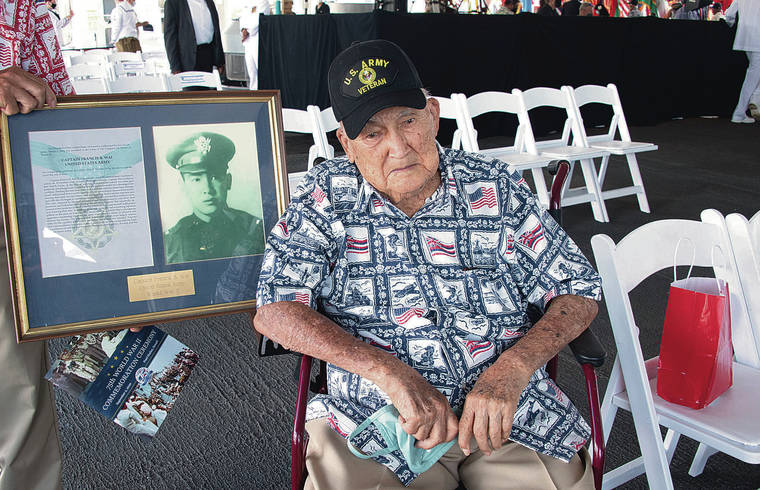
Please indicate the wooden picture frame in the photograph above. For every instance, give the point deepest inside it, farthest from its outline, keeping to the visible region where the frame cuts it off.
(118, 210)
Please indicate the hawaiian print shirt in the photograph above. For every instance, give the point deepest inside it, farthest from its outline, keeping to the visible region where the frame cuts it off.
(27, 40)
(446, 291)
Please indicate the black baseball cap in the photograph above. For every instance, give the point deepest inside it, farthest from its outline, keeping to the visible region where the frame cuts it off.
(368, 77)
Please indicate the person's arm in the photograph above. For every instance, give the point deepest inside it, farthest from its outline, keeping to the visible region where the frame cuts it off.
(425, 412)
(116, 21)
(20, 91)
(731, 12)
(490, 407)
(171, 38)
(565, 296)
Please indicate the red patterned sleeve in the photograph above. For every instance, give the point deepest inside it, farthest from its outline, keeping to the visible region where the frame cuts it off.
(27, 40)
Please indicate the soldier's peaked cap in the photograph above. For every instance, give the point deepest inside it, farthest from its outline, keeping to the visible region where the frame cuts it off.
(201, 152)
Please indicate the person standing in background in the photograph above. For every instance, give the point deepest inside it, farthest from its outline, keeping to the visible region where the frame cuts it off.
(124, 26)
(249, 32)
(58, 22)
(748, 40)
(192, 36)
(31, 74)
(571, 7)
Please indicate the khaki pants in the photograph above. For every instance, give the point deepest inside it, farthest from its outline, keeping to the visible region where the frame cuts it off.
(128, 44)
(332, 466)
(30, 452)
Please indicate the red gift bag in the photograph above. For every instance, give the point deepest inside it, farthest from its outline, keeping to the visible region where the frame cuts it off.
(695, 365)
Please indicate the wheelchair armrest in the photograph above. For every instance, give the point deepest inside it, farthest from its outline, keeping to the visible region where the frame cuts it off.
(587, 349)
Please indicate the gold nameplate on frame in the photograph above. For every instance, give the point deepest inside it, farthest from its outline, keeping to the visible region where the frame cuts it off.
(161, 285)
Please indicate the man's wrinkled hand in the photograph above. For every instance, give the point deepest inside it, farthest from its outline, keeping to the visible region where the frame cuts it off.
(489, 410)
(23, 92)
(424, 413)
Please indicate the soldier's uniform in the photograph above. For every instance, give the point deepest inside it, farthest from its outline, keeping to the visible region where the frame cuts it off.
(230, 232)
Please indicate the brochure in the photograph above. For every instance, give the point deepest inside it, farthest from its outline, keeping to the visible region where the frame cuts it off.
(131, 378)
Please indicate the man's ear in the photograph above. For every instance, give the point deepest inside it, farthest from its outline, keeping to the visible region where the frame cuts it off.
(345, 142)
(435, 111)
(228, 178)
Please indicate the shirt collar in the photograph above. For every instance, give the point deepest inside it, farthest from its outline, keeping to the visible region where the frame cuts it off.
(448, 185)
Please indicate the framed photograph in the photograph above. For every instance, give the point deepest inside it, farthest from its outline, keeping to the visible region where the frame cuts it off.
(126, 210)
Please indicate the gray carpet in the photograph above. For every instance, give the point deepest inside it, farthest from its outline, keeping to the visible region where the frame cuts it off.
(231, 426)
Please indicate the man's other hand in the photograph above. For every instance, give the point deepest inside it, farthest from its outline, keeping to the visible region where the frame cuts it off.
(23, 92)
(424, 412)
(489, 410)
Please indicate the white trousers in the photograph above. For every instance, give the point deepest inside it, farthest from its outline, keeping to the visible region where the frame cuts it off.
(751, 85)
(251, 46)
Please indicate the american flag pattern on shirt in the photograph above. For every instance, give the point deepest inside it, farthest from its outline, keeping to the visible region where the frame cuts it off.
(447, 288)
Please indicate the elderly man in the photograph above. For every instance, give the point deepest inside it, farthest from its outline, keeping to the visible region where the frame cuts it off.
(213, 230)
(437, 328)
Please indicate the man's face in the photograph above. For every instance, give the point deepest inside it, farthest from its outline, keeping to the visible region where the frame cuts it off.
(396, 151)
(207, 191)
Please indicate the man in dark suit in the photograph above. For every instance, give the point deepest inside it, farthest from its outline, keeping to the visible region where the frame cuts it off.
(192, 36)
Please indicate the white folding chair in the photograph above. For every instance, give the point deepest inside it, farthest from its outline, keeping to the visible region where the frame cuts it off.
(124, 56)
(324, 122)
(450, 110)
(588, 94)
(560, 149)
(746, 252)
(523, 154)
(139, 83)
(86, 86)
(157, 66)
(89, 59)
(128, 68)
(311, 122)
(185, 79)
(729, 424)
(84, 71)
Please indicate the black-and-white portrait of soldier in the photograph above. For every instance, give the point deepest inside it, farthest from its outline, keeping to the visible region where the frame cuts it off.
(209, 191)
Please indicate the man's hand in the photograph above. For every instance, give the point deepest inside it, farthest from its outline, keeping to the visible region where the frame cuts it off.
(424, 412)
(220, 68)
(243, 34)
(23, 92)
(490, 408)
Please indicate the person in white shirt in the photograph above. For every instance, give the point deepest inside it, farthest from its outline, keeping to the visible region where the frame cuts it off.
(249, 31)
(192, 36)
(748, 40)
(124, 26)
(58, 22)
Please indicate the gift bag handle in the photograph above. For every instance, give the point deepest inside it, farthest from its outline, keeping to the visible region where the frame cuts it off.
(675, 257)
(693, 258)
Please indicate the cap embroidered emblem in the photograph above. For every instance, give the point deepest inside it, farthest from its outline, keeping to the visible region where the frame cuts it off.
(203, 144)
(367, 75)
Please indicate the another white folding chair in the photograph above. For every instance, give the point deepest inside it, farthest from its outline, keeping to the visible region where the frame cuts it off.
(729, 424)
(324, 122)
(588, 94)
(523, 154)
(157, 66)
(84, 71)
(450, 110)
(560, 149)
(128, 68)
(185, 79)
(309, 122)
(124, 56)
(139, 83)
(89, 59)
(88, 86)
(745, 242)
